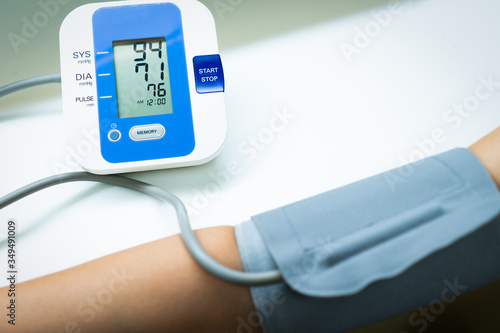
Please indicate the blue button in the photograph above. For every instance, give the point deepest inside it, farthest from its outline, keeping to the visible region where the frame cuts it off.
(209, 76)
(114, 135)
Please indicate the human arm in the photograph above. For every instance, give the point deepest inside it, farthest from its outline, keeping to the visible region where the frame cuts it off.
(166, 291)
(155, 287)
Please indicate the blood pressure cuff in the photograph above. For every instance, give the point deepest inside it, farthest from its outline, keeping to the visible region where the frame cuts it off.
(339, 242)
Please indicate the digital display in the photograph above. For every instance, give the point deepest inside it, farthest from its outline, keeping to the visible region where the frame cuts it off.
(142, 79)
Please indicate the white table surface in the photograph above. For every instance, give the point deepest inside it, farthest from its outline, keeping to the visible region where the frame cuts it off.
(302, 118)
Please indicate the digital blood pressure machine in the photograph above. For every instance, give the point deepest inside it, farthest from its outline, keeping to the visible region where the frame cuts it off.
(142, 81)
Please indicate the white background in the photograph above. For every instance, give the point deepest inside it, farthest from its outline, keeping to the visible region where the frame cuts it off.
(303, 117)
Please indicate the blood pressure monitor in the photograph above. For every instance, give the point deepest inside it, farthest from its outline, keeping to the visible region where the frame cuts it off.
(142, 85)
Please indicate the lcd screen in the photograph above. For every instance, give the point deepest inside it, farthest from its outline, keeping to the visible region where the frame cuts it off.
(142, 79)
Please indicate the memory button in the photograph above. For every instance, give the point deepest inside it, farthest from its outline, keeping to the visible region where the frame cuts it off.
(147, 132)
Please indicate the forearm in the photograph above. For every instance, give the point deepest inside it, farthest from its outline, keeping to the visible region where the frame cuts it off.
(155, 287)
(487, 151)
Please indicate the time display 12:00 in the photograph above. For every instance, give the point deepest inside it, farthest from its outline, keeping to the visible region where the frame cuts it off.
(157, 101)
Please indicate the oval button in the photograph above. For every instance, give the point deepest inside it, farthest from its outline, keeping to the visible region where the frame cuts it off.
(147, 132)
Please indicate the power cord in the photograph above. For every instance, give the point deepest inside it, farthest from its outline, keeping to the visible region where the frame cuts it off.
(204, 260)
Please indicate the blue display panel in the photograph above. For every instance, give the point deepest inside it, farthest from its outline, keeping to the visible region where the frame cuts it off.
(140, 50)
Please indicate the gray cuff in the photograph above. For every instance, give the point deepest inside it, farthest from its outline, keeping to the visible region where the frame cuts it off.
(337, 243)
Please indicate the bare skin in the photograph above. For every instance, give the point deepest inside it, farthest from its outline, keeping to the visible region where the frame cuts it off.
(488, 151)
(156, 287)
